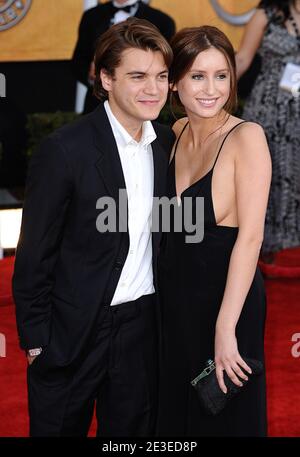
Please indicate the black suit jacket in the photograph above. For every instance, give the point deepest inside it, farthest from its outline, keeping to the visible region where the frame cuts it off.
(94, 23)
(63, 264)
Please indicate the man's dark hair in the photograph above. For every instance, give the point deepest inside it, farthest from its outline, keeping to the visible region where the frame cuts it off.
(132, 33)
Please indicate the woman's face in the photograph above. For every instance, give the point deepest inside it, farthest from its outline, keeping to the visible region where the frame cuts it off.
(205, 88)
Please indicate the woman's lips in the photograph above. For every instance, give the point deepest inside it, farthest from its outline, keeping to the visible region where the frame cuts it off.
(207, 102)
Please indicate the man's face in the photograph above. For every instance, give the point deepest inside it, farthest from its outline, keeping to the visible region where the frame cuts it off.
(139, 88)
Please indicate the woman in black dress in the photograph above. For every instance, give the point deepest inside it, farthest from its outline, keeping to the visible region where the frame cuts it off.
(212, 294)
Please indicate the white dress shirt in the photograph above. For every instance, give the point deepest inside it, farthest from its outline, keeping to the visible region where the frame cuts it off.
(122, 15)
(136, 158)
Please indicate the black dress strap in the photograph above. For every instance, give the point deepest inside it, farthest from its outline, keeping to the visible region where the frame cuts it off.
(177, 141)
(227, 134)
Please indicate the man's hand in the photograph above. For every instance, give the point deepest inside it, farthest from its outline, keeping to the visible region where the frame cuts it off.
(32, 354)
(31, 358)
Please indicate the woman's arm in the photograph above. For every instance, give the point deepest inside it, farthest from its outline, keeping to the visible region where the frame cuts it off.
(252, 183)
(253, 35)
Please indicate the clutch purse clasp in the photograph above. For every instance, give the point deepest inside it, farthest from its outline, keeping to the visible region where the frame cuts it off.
(210, 366)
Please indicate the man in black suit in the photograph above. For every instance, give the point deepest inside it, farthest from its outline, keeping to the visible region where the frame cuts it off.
(95, 22)
(85, 296)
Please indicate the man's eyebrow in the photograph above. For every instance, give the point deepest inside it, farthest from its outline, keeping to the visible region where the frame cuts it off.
(203, 71)
(137, 72)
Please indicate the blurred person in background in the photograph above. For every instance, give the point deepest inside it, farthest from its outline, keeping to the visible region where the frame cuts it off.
(274, 102)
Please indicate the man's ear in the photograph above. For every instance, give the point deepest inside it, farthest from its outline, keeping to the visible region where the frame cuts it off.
(173, 87)
(106, 80)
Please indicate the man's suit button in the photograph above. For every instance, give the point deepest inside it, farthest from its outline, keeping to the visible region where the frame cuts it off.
(118, 265)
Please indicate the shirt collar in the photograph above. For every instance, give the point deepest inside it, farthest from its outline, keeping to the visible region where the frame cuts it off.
(122, 136)
(148, 134)
(127, 3)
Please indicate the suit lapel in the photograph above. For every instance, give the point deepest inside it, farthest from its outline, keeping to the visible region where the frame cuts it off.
(140, 14)
(105, 14)
(108, 163)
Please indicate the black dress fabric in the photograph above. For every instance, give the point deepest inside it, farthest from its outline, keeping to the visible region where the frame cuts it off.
(192, 278)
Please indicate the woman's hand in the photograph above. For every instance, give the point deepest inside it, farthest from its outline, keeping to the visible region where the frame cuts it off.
(227, 358)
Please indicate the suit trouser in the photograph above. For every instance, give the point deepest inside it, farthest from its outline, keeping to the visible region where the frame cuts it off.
(119, 374)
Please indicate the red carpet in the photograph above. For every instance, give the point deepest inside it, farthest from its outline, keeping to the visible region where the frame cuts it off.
(283, 370)
(6, 267)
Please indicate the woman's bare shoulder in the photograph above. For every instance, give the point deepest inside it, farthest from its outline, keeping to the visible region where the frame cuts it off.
(248, 130)
(243, 129)
(249, 143)
(246, 137)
